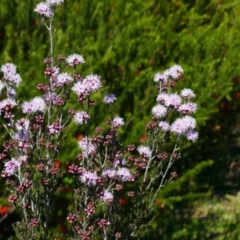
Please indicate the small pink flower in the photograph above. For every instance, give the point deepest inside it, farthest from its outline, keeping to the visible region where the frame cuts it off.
(92, 82)
(13, 79)
(13, 198)
(109, 173)
(162, 98)
(173, 100)
(117, 122)
(107, 196)
(7, 102)
(11, 166)
(181, 125)
(63, 79)
(124, 174)
(81, 117)
(44, 9)
(86, 146)
(174, 72)
(164, 126)
(89, 178)
(21, 124)
(8, 68)
(36, 104)
(158, 77)
(74, 59)
(189, 107)
(55, 2)
(159, 111)
(144, 151)
(192, 135)
(187, 93)
(72, 218)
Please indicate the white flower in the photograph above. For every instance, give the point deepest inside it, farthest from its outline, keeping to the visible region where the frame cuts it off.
(117, 122)
(8, 68)
(158, 77)
(107, 196)
(162, 98)
(62, 79)
(109, 173)
(92, 82)
(11, 166)
(173, 100)
(55, 2)
(189, 107)
(192, 135)
(159, 111)
(81, 117)
(182, 125)
(22, 124)
(7, 102)
(187, 93)
(36, 104)
(44, 9)
(175, 71)
(74, 59)
(86, 146)
(144, 151)
(89, 84)
(164, 126)
(89, 178)
(124, 174)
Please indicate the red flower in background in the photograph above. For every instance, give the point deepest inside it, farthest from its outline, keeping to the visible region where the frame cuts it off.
(4, 210)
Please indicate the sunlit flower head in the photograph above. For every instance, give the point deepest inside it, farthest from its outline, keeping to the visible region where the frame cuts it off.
(189, 107)
(35, 105)
(144, 151)
(182, 125)
(107, 196)
(8, 68)
(117, 122)
(44, 9)
(192, 135)
(124, 174)
(62, 79)
(89, 178)
(22, 124)
(159, 77)
(81, 117)
(90, 83)
(55, 2)
(74, 59)
(10, 167)
(164, 126)
(86, 146)
(7, 102)
(174, 72)
(159, 111)
(187, 93)
(173, 100)
(109, 173)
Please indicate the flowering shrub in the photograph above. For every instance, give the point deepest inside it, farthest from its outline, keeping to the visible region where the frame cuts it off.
(117, 185)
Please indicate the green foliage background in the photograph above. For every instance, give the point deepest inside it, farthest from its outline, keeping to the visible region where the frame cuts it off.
(126, 43)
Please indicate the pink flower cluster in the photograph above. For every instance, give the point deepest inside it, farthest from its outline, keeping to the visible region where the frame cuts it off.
(45, 8)
(167, 102)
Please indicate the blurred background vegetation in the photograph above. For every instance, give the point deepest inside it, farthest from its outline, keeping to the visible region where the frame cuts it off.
(126, 43)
